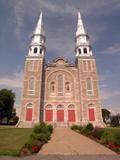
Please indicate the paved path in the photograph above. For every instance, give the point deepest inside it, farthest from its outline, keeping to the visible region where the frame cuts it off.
(61, 157)
(67, 142)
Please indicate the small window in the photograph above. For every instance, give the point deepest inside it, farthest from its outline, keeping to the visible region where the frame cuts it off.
(67, 85)
(52, 87)
(79, 50)
(85, 50)
(35, 50)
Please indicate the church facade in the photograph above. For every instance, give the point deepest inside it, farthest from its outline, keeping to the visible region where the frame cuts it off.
(60, 93)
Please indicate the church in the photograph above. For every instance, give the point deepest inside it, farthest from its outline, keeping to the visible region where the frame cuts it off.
(60, 93)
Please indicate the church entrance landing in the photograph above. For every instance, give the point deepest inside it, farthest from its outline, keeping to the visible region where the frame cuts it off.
(59, 115)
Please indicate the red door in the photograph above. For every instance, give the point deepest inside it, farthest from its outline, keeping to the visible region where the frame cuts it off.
(48, 115)
(60, 115)
(71, 115)
(91, 114)
(29, 114)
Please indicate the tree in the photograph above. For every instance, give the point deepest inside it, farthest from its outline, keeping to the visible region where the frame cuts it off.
(7, 99)
(115, 120)
(106, 115)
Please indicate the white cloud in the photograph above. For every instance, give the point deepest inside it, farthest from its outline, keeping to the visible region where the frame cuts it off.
(107, 94)
(19, 14)
(14, 81)
(114, 49)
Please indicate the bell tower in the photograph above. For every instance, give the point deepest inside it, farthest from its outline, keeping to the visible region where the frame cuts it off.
(33, 75)
(83, 47)
(90, 103)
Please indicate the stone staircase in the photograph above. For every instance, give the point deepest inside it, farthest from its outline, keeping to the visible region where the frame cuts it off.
(22, 124)
(61, 125)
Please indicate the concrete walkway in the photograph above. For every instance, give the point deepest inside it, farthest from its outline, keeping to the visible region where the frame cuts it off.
(67, 142)
(64, 157)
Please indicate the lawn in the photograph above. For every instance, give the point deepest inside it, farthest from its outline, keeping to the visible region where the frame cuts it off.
(12, 140)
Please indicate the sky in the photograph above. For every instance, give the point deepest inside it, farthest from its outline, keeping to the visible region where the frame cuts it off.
(101, 18)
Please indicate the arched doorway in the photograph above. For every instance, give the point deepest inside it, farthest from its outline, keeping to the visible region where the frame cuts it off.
(29, 110)
(48, 113)
(71, 113)
(91, 112)
(60, 113)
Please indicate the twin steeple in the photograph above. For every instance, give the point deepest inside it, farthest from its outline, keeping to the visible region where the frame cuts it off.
(83, 47)
(80, 26)
(39, 28)
(37, 46)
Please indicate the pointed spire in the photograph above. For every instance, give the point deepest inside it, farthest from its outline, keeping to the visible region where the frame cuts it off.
(39, 28)
(80, 26)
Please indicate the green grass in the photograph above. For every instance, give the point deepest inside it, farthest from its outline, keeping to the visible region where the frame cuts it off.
(12, 140)
(114, 129)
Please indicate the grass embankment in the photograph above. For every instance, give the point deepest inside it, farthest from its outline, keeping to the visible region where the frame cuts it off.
(13, 139)
(110, 137)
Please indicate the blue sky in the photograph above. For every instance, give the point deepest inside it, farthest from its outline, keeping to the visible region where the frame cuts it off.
(101, 19)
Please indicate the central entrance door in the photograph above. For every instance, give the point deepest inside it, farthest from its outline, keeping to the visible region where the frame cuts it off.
(60, 115)
(71, 115)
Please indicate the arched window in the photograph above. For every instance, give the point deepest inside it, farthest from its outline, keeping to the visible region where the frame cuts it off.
(91, 105)
(89, 86)
(67, 87)
(60, 106)
(48, 106)
(40, 50)
(85, 50)
(79, 50)
(71, 106)
(35, 50)
(60, 85)
(31, 85)
(52, 87)
(29, 105)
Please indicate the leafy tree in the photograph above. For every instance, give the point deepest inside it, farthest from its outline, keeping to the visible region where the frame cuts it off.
(115, 120)
(106, 115)
(7, 99)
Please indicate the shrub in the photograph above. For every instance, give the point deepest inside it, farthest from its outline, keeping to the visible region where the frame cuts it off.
(76, 127)
(87, 129)
(117, 138)
(40, 135)
(115, 121)
(43, 137)
(42, 127)
(97, 132)
(110, 137)
(33, 142)
(50, 128)
(35, 149)
(25, 152)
